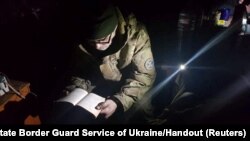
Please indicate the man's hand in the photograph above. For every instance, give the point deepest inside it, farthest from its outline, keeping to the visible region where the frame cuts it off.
(107, 108)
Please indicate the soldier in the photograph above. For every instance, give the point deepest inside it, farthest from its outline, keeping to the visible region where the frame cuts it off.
(113, 59)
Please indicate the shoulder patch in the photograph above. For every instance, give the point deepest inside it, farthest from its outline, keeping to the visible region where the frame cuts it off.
(149, 64)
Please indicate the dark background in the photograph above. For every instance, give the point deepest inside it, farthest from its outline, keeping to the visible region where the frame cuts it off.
(37, 35)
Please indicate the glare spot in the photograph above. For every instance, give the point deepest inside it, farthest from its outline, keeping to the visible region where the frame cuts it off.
(182, 67)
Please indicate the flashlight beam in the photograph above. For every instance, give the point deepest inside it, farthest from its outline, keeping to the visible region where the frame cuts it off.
(208, 46)
(153, 92)
(214, 41)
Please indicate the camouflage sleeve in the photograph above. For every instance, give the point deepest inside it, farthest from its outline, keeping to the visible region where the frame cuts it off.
(77, 82)
(143, 74)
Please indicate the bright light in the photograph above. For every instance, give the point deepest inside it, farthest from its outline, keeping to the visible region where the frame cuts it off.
(182, 67)
(154, 91)
(244, 20)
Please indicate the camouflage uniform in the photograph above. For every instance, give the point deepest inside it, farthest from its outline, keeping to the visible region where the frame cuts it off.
(128, 63)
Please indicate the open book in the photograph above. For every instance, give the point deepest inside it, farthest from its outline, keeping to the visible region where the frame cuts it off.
(88, 101)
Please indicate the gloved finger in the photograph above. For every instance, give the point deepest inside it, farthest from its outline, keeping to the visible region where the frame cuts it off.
(99, 106)
(106, 112)
(105, 104)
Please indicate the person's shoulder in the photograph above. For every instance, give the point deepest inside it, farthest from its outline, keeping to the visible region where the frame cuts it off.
(128, 16)
(134, 27)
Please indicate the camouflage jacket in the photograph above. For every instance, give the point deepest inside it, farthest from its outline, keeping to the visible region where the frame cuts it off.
(129, 63)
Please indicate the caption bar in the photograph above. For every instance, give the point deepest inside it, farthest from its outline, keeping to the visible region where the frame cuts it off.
(127, 132)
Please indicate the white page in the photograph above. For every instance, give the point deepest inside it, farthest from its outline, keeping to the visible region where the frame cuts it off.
(75, 96)
(90, 102)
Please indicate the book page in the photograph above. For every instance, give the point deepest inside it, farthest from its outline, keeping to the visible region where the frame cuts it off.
(90, 102)
(75, 96)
